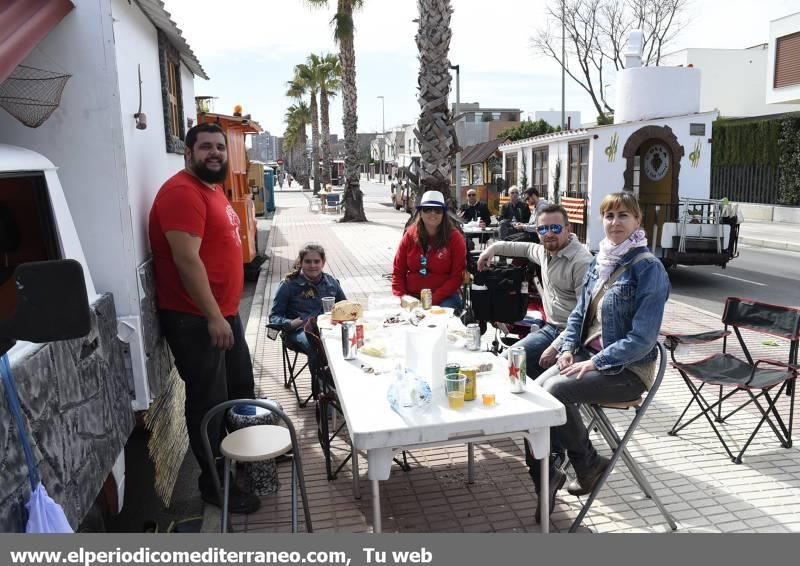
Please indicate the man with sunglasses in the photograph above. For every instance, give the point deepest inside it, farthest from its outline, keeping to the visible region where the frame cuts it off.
(474, 209)
(564, 262)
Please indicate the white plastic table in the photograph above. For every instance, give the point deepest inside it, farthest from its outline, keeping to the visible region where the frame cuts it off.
(381, 432)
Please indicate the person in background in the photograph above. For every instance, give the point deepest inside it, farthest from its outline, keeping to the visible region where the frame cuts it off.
(526, 231)
(609, 349)
(474, 209)
(197, 259)
(299, 297)
(432, 255)
(512, 212)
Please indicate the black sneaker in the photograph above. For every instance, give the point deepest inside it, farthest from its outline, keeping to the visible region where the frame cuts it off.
(239, 501)
(557, 480)
(583, 484)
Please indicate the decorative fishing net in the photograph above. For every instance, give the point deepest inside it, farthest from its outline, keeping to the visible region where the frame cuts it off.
(31, 95)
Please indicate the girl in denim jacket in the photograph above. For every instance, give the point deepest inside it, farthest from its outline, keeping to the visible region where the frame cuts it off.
(299, 297)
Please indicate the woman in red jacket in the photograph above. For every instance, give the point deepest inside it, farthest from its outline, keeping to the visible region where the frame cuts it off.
(432, 255)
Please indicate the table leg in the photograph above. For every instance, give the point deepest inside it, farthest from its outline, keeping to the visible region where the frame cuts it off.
(544, 499)
(376, 507)
(356, 480)
(470, 462)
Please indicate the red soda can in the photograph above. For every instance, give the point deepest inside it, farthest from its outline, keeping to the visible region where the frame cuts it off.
(360, 334)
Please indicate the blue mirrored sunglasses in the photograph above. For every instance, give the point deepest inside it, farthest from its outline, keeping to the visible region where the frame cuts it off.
(423, 261)
(545, 228)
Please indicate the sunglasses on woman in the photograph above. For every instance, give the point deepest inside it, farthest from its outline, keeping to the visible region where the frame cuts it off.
(545, 228)
(433, 209)
(423, 261)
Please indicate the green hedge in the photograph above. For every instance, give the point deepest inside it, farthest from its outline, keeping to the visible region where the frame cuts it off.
(789, 165)
(746, 143)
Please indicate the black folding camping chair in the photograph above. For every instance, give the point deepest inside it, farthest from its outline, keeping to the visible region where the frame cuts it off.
(761, 381)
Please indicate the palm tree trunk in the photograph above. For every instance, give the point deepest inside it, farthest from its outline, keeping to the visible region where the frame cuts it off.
(353, 197)
(314, 141)
(434, 130)
(325, 122)
(302, 170)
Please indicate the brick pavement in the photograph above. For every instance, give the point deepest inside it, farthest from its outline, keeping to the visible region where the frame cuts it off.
(695, 479)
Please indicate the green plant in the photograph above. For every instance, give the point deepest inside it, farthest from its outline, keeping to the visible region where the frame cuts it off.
(739, 142)
(789, 161)
(523, 177)
(527, 129)
(557, 182)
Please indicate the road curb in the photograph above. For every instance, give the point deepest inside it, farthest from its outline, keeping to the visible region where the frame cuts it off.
(772, 244)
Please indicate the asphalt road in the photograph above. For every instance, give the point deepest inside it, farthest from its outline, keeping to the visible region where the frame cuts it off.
(763, 274)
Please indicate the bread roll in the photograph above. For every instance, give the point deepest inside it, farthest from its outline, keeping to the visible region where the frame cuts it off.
(408, 302)
(346, 310)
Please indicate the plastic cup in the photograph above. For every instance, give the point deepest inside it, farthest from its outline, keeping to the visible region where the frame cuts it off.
(327, 304)
(455, 386)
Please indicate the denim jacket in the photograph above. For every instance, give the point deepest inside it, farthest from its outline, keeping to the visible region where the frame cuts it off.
(300, 298)
(631, 314)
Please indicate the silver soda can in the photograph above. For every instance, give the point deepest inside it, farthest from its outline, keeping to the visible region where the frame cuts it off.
(516, 369)
(426, 299)
(473, 336)
(349, 340)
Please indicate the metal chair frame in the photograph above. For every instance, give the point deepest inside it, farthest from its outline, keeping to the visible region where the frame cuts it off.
(598, 419)
(290, 371)
(297, 463)
(782, 432)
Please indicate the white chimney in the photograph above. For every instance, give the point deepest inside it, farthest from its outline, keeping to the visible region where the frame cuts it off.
(633, 49)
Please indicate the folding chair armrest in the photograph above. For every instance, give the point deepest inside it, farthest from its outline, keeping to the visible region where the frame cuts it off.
(794, 367)
(672, 341)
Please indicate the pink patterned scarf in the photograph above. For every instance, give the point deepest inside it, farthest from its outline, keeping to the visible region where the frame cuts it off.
(610, 256)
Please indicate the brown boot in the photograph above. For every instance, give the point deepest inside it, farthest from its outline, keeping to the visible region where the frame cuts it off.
(584, 483)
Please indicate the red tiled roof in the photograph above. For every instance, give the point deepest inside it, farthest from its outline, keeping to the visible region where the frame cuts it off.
(23, 24)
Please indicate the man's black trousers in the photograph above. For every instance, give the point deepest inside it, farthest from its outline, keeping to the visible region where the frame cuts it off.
(211, 375)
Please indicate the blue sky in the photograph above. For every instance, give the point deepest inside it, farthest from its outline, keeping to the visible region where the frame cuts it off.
(249, 49)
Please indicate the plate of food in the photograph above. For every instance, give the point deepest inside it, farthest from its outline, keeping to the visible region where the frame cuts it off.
(446, 312)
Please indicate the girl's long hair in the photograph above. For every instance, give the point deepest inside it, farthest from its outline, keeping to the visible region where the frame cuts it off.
(442, 237)
(298, 263)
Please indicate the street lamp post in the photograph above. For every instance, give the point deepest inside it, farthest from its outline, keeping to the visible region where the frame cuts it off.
(457, 69)
(383, 137)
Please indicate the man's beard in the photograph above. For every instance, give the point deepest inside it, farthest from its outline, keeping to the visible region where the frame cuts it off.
(207, 175)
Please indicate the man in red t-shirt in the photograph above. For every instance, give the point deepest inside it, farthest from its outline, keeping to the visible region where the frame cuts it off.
(197, 257)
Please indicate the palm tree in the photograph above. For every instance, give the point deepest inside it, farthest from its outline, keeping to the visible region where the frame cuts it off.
(330, 80)
(343, 35)
(436, 134)
(305, 81)
(297, 118)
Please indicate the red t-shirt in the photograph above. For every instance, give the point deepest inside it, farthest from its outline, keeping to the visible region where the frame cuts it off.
(185, 204)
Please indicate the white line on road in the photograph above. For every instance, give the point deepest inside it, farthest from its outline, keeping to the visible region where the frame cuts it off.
(740, 279)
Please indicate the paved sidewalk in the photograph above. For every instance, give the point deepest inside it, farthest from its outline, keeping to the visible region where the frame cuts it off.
(696, 480)
(775, 235)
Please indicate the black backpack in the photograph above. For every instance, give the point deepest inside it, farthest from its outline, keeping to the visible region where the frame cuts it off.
(501, 293)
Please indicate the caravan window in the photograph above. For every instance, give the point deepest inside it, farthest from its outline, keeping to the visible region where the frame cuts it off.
(540, 171)
(27, 230)
(578, 179)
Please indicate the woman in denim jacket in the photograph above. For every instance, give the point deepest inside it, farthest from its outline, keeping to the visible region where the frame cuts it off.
(609, 352)
(299, 297)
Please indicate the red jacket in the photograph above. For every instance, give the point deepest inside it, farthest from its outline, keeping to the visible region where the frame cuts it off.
(445, 267)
